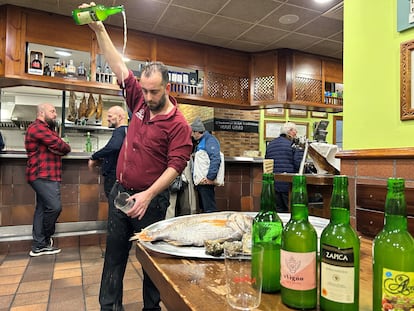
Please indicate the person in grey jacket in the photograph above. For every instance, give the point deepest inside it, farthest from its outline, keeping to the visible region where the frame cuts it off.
(286, 159)
(205, 187)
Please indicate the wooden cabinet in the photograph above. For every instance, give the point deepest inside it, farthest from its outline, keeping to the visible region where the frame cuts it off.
(370, 201)
(292, 79)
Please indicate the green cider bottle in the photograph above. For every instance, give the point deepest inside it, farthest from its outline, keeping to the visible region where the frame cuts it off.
(267, 232)
(340, 255)
(96, 13)
(393, 255)
(298, 264)
(88, 144)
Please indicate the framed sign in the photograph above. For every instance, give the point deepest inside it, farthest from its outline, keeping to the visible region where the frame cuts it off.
(319, 114)
(272, 129)
(298, 113)
(275, 112)
(302, 128)
(406, 80)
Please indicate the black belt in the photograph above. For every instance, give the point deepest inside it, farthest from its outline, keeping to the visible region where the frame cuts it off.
(130, 191)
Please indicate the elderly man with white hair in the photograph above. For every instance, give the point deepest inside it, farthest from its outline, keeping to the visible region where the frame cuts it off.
(286, 159)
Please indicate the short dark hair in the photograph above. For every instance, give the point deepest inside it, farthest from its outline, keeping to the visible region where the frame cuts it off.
(152, 67)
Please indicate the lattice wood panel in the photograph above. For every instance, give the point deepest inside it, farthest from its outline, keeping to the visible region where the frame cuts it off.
(264, 88)
(309, 90)
(232, 88)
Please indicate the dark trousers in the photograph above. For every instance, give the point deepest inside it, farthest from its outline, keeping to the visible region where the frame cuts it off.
(109, 181)
(120, 228)
(206, 198)
(47, 211)
(282, 202)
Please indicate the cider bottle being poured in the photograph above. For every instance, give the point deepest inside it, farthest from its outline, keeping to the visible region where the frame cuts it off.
(96, 13)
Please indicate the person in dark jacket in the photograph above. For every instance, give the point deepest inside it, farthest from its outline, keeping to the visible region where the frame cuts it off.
(109, 153)
(286, 159)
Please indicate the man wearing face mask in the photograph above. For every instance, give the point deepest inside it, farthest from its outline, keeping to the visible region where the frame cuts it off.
(286, 159)
(44, 150)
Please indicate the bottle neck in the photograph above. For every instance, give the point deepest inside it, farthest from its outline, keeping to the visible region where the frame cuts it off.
(268, 197)
(299, 198)
(340, 213)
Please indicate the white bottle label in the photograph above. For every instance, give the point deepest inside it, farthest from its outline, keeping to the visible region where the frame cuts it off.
(298, 270)
(337, 274)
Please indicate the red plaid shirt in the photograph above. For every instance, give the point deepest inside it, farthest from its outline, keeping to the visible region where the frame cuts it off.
(44, 150)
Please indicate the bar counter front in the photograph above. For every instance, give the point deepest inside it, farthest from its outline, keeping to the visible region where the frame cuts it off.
(199, 284)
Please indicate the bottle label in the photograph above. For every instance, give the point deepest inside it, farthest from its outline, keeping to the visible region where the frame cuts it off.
(298, 270)
(337, 274)
(397, 290)
(87, 17)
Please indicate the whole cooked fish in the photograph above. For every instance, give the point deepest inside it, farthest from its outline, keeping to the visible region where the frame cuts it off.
(187, 231)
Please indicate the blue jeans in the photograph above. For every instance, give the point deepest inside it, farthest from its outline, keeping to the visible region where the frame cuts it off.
(47, 211)
(206, 198)
(120, 228)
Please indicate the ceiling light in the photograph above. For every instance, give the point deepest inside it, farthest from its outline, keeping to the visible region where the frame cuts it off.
(63, 53)
(288, 19)
(322, 1)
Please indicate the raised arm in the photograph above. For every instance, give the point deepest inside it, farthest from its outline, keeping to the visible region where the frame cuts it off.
(112, 56)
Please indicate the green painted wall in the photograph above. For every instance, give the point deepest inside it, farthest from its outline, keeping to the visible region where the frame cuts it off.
(372, 77)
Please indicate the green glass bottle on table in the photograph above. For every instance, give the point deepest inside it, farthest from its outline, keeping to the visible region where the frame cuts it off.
(95, 13)
(88, 144)
(298, 254)
(393, 255)
(267, 232)
(340, 255)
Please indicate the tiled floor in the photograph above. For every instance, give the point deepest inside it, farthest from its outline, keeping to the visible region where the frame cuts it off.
(68, 281)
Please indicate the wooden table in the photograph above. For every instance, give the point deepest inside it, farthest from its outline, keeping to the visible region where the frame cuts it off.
(199, 285)
(322, 184)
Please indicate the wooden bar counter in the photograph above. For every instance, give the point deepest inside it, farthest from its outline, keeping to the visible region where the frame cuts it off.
(199, 284)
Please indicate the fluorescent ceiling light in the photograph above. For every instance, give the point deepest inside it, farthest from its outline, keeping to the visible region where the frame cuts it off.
(322, 1)
(63, 53)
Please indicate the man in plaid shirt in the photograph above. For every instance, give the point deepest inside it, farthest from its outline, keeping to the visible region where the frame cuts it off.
(44, 150)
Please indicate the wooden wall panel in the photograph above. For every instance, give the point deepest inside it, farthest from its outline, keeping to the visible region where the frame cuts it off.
(138, 46)
(332, 71)
(180, 53)
(228, 62)
(56, 30)
(307, 66)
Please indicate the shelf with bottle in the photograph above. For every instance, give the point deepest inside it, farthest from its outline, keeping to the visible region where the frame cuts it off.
(57, 62)
(333, 94)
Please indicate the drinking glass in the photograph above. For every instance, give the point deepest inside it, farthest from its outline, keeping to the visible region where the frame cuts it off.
(121, 202)
(243, 278)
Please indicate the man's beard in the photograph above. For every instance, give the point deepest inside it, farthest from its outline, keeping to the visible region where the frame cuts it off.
(111, 125)
(52, 123)
(156, 107)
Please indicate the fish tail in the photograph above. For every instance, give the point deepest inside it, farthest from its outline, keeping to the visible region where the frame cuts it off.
(144, 236)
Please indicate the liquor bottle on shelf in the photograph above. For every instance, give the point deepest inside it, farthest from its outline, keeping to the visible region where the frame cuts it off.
(393, 254)
(267, 231)
(340, 253)
(95, 13)
(88, 144)
(71, 69)
(82, 70)
(36, 63)
(298, 254)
